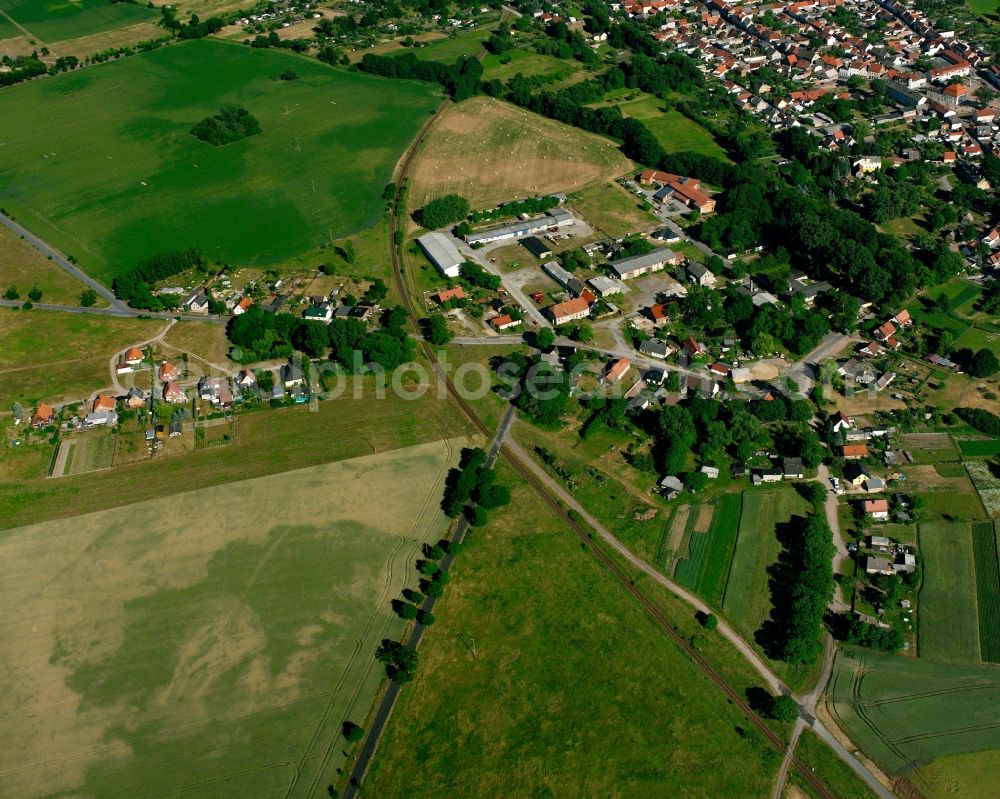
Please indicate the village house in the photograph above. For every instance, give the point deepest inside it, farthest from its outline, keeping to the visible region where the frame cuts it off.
(246, 378)
(503, 322)
(840, 422)
(671, 487)
(131, 359)
(700, 275)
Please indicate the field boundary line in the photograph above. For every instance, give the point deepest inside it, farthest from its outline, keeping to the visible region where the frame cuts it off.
(736, 543)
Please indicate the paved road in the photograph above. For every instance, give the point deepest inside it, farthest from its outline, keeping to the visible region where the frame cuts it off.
(803, 371)
(385, 709)
(58, 258)
(126, 312)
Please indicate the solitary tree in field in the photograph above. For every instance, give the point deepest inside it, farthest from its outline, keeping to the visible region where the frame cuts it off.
(11, 294)
(35, 295)
(352, 732)
(710, 622)
(88, 298)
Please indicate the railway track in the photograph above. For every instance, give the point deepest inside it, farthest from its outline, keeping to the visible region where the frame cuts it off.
(542, 490)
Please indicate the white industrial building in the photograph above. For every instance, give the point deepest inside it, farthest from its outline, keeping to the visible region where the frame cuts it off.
(442, 252)
(641, 264)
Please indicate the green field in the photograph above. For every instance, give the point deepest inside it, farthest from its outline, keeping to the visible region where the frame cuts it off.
(903, 710)
(984, 546)
(976, 338)
(220, 636)
(948, 622)
(672, 129)
(55, 20)
(706, 569)
(114, 186)
(980, 449)
(747, 600)
(542, 677)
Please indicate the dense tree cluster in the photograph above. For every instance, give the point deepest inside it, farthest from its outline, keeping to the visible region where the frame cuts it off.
(475, 275)
(400, 661)
(22, 68)
(805, 583)
(135, 287)
(194, 28)
(231, 124)
(260, 335)
(460, 80)
(473, 482)
(982, 420)
(563, 42)
(442, 211)
(874, 637)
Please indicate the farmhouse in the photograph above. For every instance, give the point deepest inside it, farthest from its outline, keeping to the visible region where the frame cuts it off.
(840, 422)
(556, 218)
(570, 310)
(103, 402)
(168, 372)
(876, 508)
(855, 473)
(197, 303)
(791, 468)
(855, 450)
(626, 268)
(442, 252)
(319, 313)
(246, 378)
(43, 415)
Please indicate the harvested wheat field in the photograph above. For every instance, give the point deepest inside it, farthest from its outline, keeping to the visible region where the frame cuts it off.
(209, 644)
(489, 151)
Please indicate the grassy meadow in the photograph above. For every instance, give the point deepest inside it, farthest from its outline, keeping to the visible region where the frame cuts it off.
(24, 267)
(56, 356)
(834, 772)
(541, 678)
(747, 601)
(115, 186)
(490, 151)
(55, 21)
(984, 545)
(220, 637)
(968, 776)
(910, 711)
